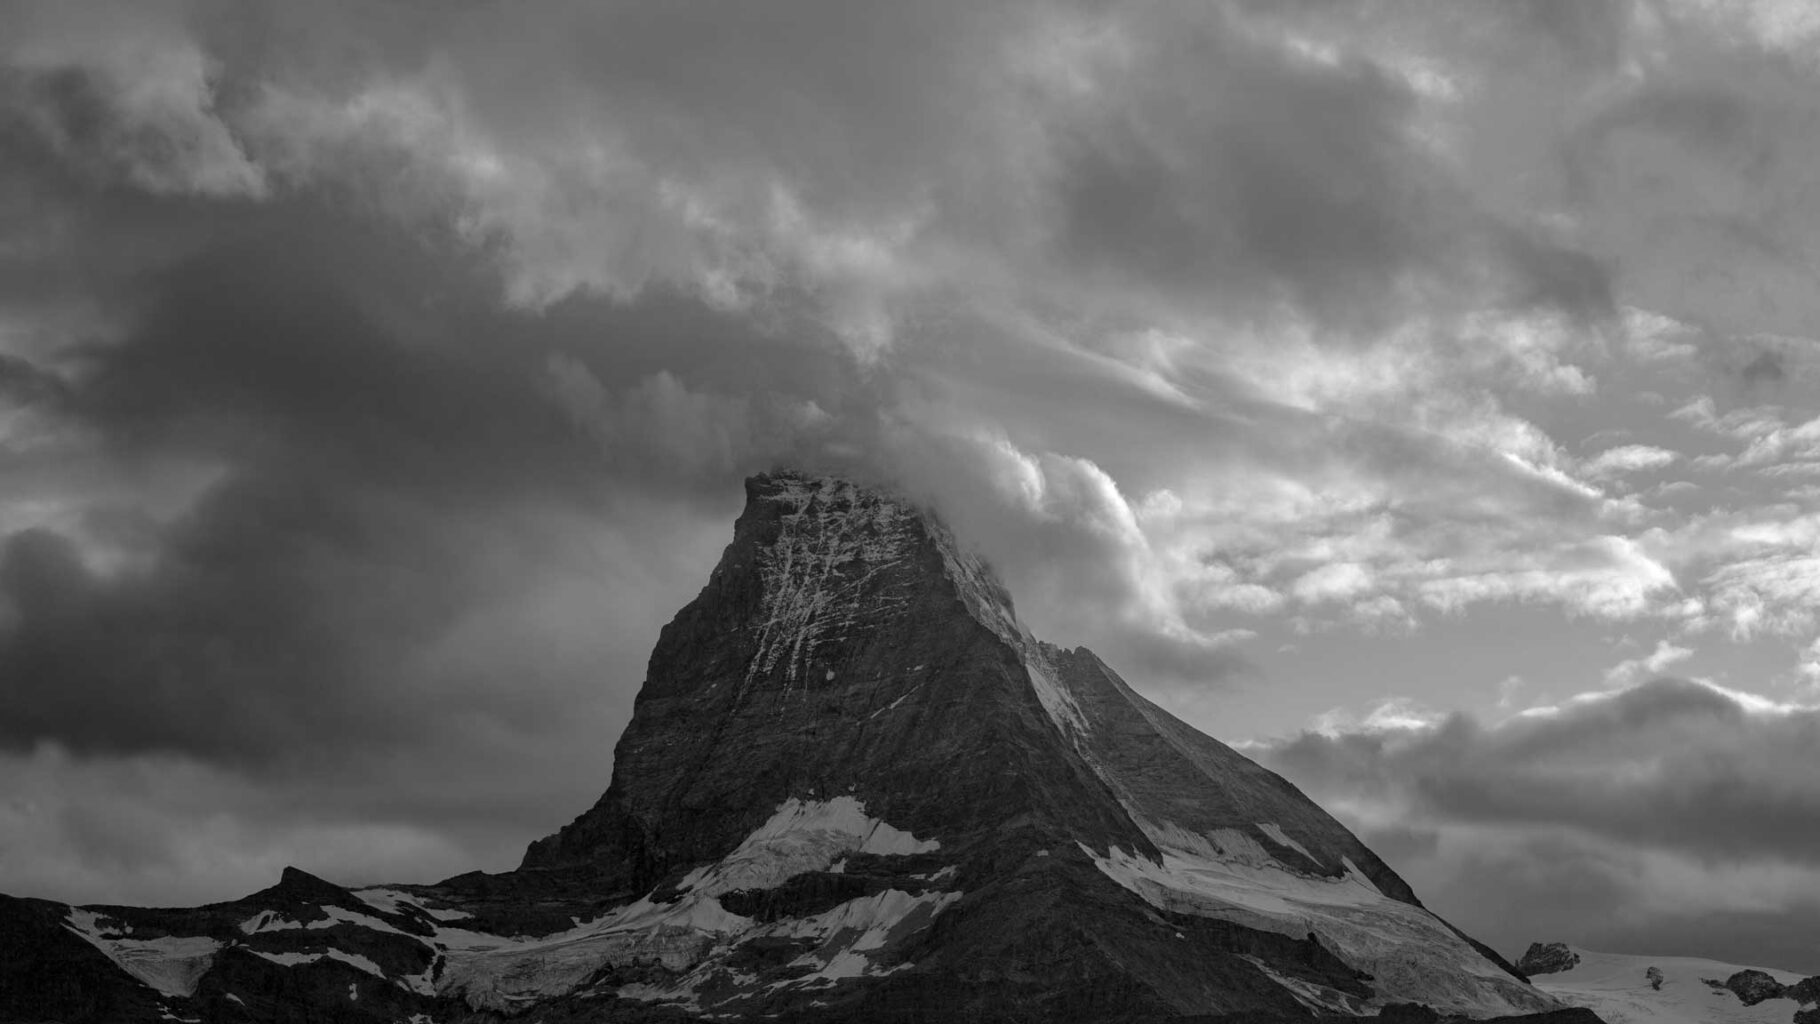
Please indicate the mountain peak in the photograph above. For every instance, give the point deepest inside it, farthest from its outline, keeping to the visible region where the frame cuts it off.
(850, 670)
(297, 884)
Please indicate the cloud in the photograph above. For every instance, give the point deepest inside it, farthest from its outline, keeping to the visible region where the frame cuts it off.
(1629, 458)
(1650, 665)
(1660, 802)
(373, 381)
(112, 830)
(114, 95)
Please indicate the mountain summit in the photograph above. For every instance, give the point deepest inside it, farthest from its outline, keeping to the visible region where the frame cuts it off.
(854, 787)
(850, 674)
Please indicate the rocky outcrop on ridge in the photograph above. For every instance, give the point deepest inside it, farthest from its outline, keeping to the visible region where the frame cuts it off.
(853, 788)
(1753, 986)
(1547, 958)
(1806, 991)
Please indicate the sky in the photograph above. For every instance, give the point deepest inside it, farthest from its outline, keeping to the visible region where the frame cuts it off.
(1421, 396)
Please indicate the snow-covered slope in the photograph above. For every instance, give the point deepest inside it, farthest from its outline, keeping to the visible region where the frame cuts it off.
(696, 940)
(1617, 987)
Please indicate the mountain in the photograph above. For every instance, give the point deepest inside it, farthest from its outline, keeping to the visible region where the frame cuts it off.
(854, 788)
(1682, 990)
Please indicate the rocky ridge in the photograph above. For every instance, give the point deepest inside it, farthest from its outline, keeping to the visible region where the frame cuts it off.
(1547, 958)
(853, 788)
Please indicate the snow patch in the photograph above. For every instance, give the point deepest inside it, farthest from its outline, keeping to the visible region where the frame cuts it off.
(803, 836)
(171, 965)
(689, 936)
(498, 973)
(870, 918)
(1228, 875)
(299, 959)
(1353, 872)
(1318, 998)
(1055, 698)
(267, 921)
(1221, 844)
(1615, 987)
(392, 901)
(1276, 835)
(271, 921)
(854, 929)
(342, 915)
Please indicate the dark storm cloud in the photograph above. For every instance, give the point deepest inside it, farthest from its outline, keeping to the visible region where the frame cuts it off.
(1232, 166)
(376, 439)
(1624, 819)
(1670, 764)
(324, 518)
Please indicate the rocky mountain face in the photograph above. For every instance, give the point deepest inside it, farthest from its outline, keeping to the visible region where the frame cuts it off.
(853, 788)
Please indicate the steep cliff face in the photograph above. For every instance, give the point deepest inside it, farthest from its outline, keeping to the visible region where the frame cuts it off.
(853, 788)
(843, 646)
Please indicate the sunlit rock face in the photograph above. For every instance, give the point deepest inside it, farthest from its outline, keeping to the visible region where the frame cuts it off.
(853, 788)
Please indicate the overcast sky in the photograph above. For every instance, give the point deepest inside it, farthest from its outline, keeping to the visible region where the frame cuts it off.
(1422, 395)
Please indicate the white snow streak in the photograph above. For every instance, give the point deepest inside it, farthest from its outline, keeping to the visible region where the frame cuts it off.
(1276, 835)
(269, 921)
(803, 836)
(397, 901)
(834, 543)
(1226, 874)
(298, 959)
(854, 929)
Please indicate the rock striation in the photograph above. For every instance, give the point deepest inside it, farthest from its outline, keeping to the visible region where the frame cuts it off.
(854, 787)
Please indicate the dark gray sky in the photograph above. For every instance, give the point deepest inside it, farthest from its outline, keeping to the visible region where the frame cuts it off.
(1421, 394)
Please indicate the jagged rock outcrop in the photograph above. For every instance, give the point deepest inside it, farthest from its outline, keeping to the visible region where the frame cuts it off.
(1752, 986)
(853, 788)
(1547, 958)
(1806, 991)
